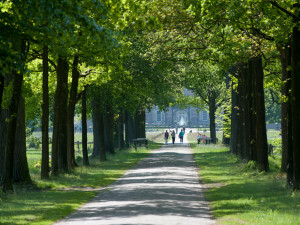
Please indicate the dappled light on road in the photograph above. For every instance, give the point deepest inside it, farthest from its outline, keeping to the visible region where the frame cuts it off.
(162, 189)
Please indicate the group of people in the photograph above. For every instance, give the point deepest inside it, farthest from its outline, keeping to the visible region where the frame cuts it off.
(173, 135)
(200, 137)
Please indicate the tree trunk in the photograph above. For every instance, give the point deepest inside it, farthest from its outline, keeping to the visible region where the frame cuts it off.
(290, 156)
(102, 152)
(212, 116)
(234, 121)
(241, 102)
(54, 153)
(285, 57)
(121, 130)
(12, 125)
(250, 117)
(126, 122)
(3, 138)
(4, 115)
(117, 133)
(96, 134)
(131, 128)
(98, 130)
(226, 121)
(45, 117)
(71, 110)
(1, 90)
(21, 170)
(11, 133)
(261, 143)
(139, 123)
(85, 157)
(60, 117)
(296, 100)
(108, 117)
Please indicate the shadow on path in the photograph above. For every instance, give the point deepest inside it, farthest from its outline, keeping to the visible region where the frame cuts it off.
(162, 189)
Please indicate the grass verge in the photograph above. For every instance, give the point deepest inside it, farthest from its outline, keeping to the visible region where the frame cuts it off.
(239, 194)
(59, 196)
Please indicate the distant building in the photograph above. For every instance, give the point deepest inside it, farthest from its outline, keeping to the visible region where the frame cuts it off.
(174, 116)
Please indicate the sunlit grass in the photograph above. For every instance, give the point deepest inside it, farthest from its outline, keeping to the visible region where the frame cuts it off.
(239, 194)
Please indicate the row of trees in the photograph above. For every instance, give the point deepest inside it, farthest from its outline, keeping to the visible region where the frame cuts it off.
(60, 52)
(122, 57)
(254, 45)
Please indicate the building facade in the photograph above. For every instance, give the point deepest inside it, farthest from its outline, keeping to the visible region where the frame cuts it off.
(176, 117)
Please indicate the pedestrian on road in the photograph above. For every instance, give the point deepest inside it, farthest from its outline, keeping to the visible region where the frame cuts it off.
(173, 136)
(166, 136)
(181, 134)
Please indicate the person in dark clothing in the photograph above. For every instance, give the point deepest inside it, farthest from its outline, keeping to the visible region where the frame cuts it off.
(173, 136)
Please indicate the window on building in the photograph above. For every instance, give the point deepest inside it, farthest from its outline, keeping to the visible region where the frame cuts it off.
(158, 116)
(204, 116)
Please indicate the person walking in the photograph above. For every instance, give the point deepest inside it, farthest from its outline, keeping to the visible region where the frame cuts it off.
(181, 134)
(173, 136)
(166, 136)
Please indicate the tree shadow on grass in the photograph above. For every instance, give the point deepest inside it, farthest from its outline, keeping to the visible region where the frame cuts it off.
(242, 192)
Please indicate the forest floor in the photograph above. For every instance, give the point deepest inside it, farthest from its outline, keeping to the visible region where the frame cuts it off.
(162, 189)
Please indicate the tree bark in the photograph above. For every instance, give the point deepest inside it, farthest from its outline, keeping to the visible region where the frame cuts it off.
(85, 157)
(121, 130)
(96, 134)
(234, 121)
(126, 122)
(295, 62)
(102, 152)
(108, 117)
(98, 130)
(285, 57)
(131, 128)
(139, 123)
(212, 116)
(261, 143)
(250, 117)
(60, 117)
(241, 131)
(4, 115)
(54, 153)
(11, 133)
(1, 90)
(71, 110)
(226, 137)
(12, 125)
(45, 117)
(21, 170)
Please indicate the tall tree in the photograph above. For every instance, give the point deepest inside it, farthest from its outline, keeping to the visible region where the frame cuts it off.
(45, 117)
(208, 83)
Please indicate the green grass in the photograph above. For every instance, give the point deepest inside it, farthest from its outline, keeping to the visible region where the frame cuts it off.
(158, 137)
(57, 197)
(240, 194)
(154, 135)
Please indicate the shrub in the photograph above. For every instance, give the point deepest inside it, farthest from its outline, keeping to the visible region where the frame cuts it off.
(251, 165)
(34, 142)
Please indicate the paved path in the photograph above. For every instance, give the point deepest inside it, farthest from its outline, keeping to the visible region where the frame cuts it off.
(162, 189)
